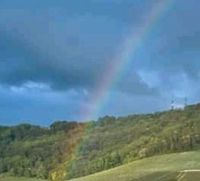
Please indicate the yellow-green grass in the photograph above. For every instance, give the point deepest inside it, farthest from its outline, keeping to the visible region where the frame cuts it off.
(7, 178)
(193, 175)
(157, 168)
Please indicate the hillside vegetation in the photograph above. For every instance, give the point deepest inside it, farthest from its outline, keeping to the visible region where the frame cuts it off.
(67, 149)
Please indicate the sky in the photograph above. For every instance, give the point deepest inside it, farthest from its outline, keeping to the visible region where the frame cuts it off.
(56, 55)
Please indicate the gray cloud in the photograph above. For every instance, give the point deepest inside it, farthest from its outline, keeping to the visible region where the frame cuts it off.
(68, 53)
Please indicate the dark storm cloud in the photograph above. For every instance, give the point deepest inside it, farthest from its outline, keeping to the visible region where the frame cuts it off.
(126, 10)
(179, 56)
(36, 56)
(20, 62)
(189, 42)
(64, 52)
(173, 48)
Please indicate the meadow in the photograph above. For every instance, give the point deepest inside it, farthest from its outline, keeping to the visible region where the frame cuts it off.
(158, 168)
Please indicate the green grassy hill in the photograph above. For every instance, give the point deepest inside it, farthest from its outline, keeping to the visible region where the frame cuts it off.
(193, 175)
(157, 168)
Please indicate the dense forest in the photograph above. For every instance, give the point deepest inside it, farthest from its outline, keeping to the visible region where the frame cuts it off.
(71, 149)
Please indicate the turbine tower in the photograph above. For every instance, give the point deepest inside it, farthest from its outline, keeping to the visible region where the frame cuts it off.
(172, 104)
(185, 102)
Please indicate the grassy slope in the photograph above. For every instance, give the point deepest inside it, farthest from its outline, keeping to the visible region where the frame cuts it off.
(158, 168)
(189, 175)
(4, 178)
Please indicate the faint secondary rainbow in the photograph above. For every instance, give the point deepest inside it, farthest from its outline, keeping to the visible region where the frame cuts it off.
(122, 60)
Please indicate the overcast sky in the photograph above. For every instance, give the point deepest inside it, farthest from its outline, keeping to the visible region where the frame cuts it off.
(54, 53)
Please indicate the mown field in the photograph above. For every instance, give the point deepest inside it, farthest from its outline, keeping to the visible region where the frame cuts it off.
(158, 168)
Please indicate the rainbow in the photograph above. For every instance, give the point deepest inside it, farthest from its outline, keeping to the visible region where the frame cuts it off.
(123, 59)
(112, 75)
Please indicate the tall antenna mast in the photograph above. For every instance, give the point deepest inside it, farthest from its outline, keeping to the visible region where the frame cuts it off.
(172, 104)
(185, 102)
